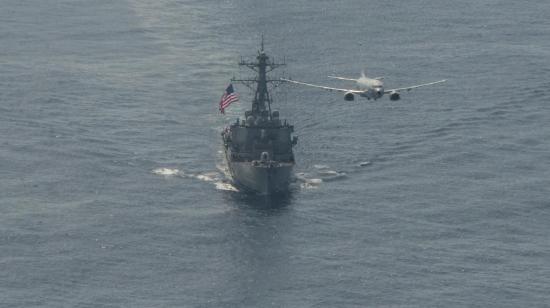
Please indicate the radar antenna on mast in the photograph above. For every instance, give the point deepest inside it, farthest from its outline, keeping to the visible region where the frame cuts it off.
(262, 66)
(262, 42)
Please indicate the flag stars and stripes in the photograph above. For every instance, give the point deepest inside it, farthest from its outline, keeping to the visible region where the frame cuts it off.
(228, 97)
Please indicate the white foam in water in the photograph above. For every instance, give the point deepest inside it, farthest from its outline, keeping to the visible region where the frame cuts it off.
(166, 171)
(213, 177)
(311, 184)
(364, 163)
(304, 178)
(329, 175)
(320, 166)
(209, 176)
(308, 183)
(225, 186)
(314, 181)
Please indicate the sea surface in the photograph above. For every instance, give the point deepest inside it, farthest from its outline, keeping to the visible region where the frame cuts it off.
(113, 190)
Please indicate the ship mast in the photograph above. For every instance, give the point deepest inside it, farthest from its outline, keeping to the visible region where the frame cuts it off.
(262, 66)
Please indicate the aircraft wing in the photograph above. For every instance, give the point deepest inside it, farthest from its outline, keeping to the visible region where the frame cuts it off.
(342, 78)
(413, 87)
(323, 87)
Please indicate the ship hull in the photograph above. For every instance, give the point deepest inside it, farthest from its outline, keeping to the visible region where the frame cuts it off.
(262, 179)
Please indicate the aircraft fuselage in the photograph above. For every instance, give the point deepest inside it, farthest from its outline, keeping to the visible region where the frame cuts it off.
(372, 88)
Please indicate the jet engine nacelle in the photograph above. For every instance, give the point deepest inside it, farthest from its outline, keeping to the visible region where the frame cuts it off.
(395, 96)
(349, 96)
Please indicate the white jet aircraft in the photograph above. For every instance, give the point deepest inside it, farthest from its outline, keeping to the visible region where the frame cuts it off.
(369, 88)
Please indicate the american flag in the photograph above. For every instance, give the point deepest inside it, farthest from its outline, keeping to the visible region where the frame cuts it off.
(228, 97)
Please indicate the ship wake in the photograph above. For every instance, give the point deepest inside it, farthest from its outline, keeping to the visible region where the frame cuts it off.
(215, 178)
(319, 175)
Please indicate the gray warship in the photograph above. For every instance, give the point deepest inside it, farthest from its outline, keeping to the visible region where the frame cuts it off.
(258, 149)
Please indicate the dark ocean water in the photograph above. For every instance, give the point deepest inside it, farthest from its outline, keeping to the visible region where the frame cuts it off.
(112, 191)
